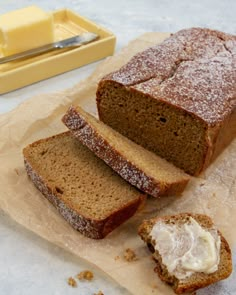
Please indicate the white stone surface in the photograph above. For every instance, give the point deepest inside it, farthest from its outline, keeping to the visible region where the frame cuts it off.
(28, 264)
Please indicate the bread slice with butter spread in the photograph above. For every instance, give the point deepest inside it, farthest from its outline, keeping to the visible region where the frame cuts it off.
(190, 253)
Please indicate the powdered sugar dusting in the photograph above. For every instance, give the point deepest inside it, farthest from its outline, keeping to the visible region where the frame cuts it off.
(206, 87)
(194, 69)
(157, 61)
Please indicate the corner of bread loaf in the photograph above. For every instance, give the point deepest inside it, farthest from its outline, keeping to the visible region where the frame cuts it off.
(120, 216)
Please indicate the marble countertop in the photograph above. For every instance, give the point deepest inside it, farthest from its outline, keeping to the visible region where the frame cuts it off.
(28, 264)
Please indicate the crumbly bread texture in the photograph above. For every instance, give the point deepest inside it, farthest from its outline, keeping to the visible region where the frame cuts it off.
(177, 98)
(85, 275)
(140, 167)
(130, 255)
(86, 192)
(72, 282)
(198, 279)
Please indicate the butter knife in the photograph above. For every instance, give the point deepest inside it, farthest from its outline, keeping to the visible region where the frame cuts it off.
(75, 41)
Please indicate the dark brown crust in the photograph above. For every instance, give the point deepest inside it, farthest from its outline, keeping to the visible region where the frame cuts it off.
(92, 228)
(149, 69)
(181, 286)
(219, 137)
(149, 64)
(88, 136)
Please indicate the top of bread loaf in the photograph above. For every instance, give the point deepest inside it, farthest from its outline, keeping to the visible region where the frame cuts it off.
(194, 69)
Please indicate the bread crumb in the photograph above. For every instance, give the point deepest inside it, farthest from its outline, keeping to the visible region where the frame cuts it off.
(117, 257)
(72, 282)
(99, 293)
(85, 275)
(130, 255)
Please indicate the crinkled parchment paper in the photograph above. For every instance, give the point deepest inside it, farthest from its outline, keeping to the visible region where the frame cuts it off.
(213, 193)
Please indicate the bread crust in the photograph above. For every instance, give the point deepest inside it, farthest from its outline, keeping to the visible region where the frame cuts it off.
(182, 286)
(92, 228)
(219, 137)
(88, 136)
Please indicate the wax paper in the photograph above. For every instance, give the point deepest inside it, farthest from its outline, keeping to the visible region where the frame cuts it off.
(212, 193)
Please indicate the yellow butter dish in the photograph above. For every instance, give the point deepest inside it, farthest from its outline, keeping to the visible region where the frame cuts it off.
(66, 24)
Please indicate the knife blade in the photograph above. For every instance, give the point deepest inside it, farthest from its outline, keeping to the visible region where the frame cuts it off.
(74, 41)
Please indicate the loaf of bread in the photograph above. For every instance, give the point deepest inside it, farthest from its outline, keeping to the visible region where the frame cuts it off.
(190, 253)
(142, 168)
(85, 191)
(177, 98)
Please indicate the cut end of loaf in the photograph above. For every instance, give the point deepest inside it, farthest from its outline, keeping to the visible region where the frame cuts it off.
(198, 279)
(154, 124)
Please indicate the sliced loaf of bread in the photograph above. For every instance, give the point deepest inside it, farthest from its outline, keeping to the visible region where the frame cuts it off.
(189, 251)
(143, 169)
(85, 191)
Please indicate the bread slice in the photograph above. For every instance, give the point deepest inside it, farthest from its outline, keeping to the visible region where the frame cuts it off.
(141, 168)
(197, 279)
(85, 191)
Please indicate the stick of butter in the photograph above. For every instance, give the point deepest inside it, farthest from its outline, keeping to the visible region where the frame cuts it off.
(25, 29)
